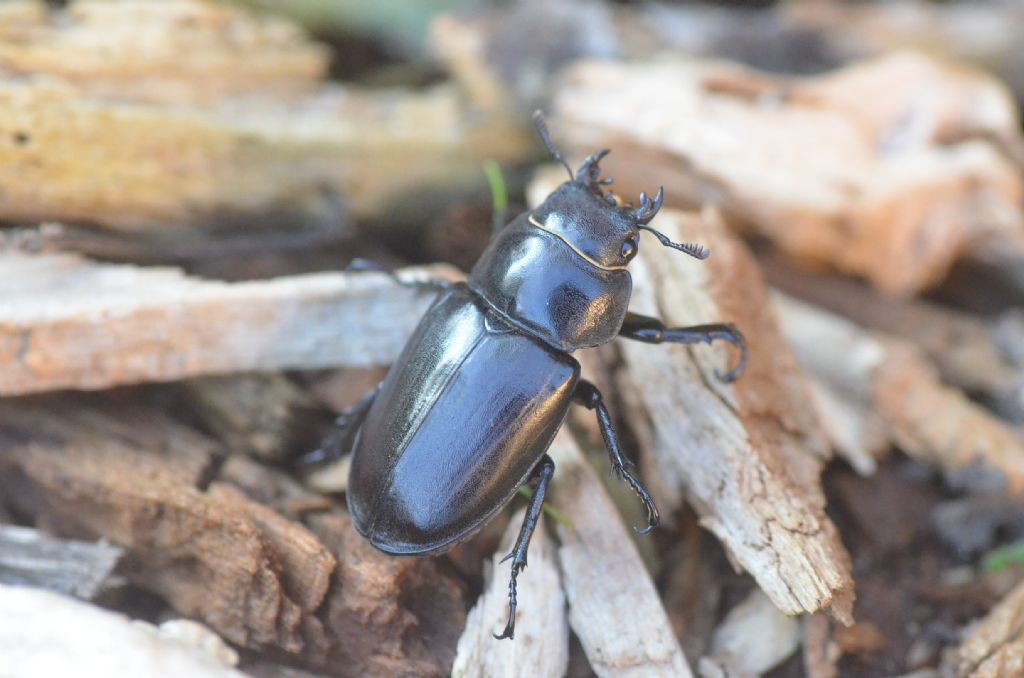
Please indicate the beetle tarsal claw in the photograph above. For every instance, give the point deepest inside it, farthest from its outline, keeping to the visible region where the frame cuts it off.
(736, 338)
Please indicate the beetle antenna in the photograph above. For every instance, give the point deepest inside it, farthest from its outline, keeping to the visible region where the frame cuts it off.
(691, 248)
(542, 128)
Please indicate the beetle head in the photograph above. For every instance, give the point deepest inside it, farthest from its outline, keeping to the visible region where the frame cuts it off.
(593, 221)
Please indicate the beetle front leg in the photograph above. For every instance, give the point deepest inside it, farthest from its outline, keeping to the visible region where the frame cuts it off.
(338, 443)
(653, 331)
(542, 472)
(587, 395)
(367, 266)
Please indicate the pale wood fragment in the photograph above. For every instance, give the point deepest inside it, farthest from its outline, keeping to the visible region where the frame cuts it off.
(31, 558)
(614, 608)
(894, 190)
(753, 638)
(541, 644)
(926, 419)
(747, 455)
(994, 646)
(69, 323)
(173, 51)
(45, 634)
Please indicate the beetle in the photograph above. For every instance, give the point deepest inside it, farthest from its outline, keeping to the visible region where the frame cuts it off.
(467, 412)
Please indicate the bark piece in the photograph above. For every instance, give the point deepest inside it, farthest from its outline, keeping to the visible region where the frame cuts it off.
(389, 616)
(44, 634)
(254, 576)
(893, 192)
(75, 568)
(926, 419)
(614, 608)
(174, 52)
(69, 323)
(994, 646)
(747, 455)
(541, 645)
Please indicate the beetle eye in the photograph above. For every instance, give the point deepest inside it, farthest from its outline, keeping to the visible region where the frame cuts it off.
(629, 249)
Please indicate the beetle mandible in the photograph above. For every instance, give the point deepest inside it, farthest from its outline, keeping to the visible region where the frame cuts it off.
(467, 412)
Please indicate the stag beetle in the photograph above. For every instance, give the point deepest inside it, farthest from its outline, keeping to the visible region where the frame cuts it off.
(467, 412)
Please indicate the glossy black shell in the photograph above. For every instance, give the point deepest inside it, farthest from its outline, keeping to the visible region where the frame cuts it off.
(462, 418)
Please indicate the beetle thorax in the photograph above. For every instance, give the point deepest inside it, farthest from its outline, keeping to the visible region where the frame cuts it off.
(549, 286)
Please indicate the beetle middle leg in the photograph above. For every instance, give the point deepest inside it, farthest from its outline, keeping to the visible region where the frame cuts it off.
(587, 395)
(338, 443)
(653, 331)
(542, 472)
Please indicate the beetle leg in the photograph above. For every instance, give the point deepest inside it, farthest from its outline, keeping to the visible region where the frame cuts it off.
(542, 472)
(588, 396)
(653, 331)
(365, 265)
(338, 443)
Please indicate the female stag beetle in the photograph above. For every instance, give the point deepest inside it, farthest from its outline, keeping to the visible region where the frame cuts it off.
(466, 414)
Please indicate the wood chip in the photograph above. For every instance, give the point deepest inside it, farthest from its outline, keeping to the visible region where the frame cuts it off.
(614, 608)
(69, 323)
(44, 634)
(994, 646)
(963, 347)
(75, 568)
(173, 52)
(388, 616)
(893, 191)
(541, 644)
(926, 419)
(754, 637)
(747, 455)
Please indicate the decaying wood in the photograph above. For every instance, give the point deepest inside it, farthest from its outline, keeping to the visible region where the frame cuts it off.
(614, 608)
(69, 323)
(926, 419)
(193, 130)
(747, 455)
(265, 415)
(994, 646)
(389, 616)
(44, 634)
(254, 576)
(752, 639)
(76, 568)
(541, 645)
(893, 190)
(173, 52)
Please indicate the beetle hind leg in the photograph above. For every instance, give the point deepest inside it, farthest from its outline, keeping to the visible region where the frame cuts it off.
(587, 395)
(542, 472)
(338, 443)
